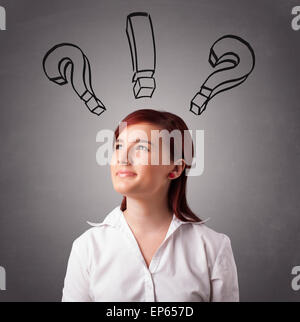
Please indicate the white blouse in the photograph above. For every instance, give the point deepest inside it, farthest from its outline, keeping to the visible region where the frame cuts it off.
(193, 263)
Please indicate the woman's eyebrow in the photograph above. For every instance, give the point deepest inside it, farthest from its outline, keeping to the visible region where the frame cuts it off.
(137, 140)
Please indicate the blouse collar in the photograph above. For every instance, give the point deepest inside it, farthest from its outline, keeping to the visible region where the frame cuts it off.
(116, 218)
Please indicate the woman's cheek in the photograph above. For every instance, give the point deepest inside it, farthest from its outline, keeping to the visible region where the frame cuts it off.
(141, 158)
(113, 160)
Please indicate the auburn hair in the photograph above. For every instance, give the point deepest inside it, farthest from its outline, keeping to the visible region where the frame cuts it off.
(177, 202)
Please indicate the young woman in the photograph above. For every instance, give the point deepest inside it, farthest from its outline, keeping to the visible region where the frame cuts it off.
(152, 247)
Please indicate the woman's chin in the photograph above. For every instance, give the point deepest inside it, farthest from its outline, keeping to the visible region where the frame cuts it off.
(123, 188)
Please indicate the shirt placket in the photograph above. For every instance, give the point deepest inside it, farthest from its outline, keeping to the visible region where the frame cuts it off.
(149, 285)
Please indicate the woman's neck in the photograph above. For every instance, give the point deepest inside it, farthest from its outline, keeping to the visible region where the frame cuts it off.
(147, 216)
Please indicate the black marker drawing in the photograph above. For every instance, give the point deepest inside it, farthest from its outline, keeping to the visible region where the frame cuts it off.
(237, 59)
(140, 35)
(56, 64)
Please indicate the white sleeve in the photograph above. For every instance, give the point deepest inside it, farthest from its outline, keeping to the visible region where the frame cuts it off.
(224, 278)
(76, 283)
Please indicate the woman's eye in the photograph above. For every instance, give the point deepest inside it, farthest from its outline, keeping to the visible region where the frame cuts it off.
(146, 149)
(117, 146)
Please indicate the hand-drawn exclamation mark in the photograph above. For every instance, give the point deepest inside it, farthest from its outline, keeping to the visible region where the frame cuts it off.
(140, 35)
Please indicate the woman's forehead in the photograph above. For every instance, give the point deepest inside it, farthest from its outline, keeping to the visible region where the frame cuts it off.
(140, 130)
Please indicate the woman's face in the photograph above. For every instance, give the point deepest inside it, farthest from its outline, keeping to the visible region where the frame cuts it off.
(133, 154)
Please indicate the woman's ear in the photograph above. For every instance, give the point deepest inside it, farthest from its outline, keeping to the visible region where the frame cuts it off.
(178, 168)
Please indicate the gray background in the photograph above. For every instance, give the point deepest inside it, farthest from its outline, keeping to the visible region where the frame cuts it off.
(50, 181)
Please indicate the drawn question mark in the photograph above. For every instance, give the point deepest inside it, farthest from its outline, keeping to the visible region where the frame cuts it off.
(139, 30)
(56, 63)
(237, 59)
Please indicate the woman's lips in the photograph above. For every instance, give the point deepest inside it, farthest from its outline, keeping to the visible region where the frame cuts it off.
(123, 174)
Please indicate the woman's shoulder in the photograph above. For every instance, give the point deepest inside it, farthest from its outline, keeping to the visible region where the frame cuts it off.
(86, 236)
(213, 239)
(94, 235)
(82, 243)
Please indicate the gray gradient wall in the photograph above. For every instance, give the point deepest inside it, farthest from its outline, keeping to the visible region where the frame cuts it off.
(50, 181)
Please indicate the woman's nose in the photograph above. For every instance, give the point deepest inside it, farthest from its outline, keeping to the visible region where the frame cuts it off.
(124, 157)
